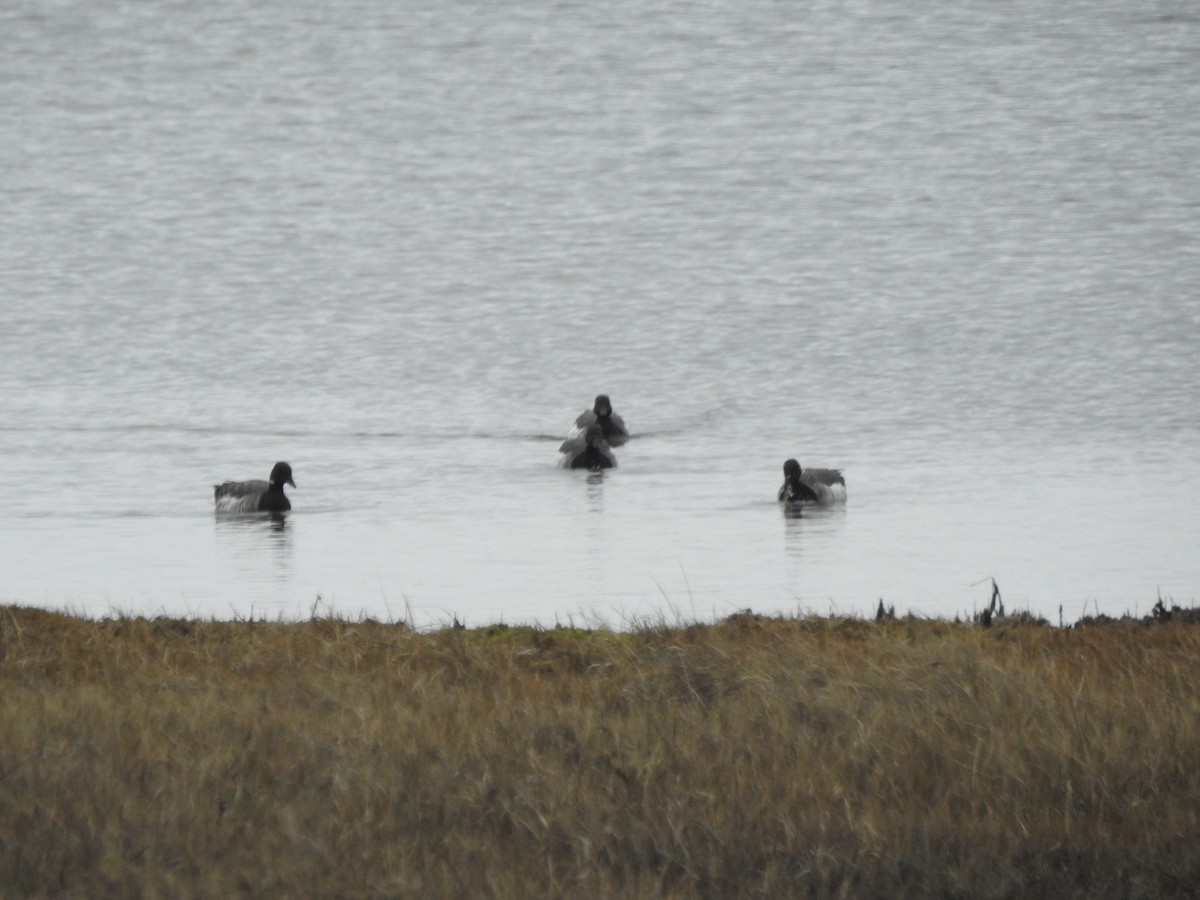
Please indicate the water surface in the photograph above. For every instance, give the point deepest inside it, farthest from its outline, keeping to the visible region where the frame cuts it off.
(951, 251)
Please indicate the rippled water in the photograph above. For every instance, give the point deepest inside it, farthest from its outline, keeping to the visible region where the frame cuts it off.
(952, 251)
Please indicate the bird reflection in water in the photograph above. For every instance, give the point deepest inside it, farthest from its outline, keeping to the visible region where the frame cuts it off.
(595, 491)
(273, 526)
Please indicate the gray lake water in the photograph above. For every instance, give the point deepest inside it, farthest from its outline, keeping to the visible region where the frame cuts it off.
(951, 249)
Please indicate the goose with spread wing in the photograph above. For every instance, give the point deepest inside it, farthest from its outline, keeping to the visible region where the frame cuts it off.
(611, 424)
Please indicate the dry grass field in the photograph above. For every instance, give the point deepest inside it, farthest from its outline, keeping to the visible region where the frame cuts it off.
(747, 758)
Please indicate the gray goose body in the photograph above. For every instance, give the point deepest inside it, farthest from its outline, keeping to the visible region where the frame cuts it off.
(587, 451)
(256, 495)
(824, 486)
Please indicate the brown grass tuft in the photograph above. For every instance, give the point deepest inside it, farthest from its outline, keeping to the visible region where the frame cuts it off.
(753, 757)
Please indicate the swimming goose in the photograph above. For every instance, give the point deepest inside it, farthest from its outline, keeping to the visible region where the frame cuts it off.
(610, 423)
(255, 496)
(589, 451)
(824, 486)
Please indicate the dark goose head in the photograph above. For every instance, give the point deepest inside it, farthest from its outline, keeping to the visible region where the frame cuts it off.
(793, 488)
(602, 407)
(281, 474)
(791, 470)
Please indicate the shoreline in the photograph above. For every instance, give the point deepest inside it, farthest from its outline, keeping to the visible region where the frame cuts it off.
(1164, 611)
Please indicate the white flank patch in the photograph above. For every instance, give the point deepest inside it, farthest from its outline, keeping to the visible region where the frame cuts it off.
(244, 504)
(831, 493)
